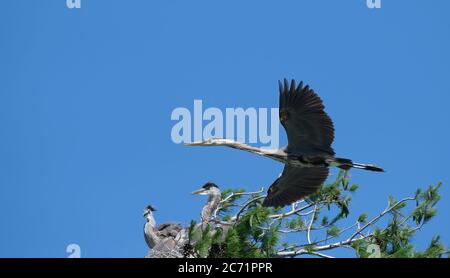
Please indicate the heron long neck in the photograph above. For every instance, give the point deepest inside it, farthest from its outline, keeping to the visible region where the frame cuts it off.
(210, 207)
(149, 231)
(151, 220)
(276, 154)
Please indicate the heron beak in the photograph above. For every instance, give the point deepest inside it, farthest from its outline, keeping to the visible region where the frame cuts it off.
(201, 191)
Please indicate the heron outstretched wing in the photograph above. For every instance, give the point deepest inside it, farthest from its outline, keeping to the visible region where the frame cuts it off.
(293, 184)
(309, 129)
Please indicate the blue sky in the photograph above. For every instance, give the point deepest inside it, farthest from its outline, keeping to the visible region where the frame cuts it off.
(86, 97)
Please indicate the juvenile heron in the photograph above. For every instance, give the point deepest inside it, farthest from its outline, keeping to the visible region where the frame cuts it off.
(164, 236)
(208, 212)
(214, 197)
(308, 155)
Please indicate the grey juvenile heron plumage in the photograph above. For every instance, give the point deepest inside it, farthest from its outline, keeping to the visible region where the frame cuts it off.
(214, 196)
(209, 210)
(308, 155)
(164, 236)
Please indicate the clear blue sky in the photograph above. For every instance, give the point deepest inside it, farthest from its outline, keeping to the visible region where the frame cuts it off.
(86, 97)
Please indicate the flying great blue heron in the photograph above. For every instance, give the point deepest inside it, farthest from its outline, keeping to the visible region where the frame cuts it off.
(308, 155)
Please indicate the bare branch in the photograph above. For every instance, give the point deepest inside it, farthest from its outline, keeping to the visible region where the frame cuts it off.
(240, 194)
(301, 251)
(308, 233)
(294, 211)
(232, 194)
(375, 219)
(236, 218)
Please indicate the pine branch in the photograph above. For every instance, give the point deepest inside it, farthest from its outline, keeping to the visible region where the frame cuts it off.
(387, 210)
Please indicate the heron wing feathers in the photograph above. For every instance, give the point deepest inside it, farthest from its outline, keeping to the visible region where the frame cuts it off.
(169, 229)
(309, 129)
(294, 184)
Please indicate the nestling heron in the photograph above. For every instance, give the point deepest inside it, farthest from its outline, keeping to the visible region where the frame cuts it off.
(308, 155)
(167, 234)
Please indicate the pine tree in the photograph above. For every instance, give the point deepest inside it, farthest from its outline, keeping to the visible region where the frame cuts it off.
(316, 225)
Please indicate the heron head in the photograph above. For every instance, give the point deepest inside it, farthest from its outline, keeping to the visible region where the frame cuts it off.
(148, 210)
(207, 189)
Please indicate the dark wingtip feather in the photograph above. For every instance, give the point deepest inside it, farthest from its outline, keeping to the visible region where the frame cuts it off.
(286, 84)
(299, 87)
(292, 89)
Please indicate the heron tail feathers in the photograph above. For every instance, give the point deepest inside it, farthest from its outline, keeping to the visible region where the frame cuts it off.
(346, 164)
